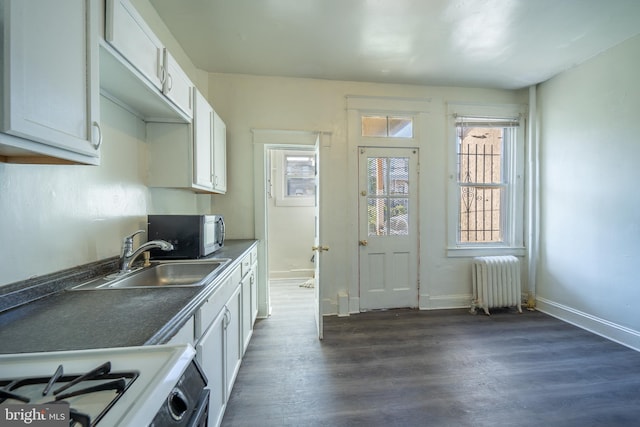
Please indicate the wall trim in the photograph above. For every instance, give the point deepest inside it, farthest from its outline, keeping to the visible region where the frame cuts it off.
(443, 302)
(606, 329)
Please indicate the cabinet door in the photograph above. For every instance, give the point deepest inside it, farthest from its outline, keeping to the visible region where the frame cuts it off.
(177, 85)
(210, 352)
(127, 32)
(50, 77)
(246, 312)
(254, 293)
(234, 338)
(202, 142)
(219, 154)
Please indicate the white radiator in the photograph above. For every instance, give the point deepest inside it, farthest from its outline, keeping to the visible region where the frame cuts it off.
(496, 283)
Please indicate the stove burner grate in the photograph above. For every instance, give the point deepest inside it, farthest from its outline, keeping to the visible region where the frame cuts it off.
(90, 395)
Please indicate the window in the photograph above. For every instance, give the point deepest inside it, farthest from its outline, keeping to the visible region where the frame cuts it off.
(295, 178)
(299, 175)
(387, 126)
(486, 206)
(388, 196)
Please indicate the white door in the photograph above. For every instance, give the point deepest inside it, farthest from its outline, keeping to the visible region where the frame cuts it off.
(317, 247)
(388, 227)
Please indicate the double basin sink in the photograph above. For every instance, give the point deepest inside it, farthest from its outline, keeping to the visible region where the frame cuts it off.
(161, 274)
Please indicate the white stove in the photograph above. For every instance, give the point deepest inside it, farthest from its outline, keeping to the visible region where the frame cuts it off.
(131, 386)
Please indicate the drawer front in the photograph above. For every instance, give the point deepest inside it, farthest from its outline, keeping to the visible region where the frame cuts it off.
(246, 265)
(254, 255)
(215, 303)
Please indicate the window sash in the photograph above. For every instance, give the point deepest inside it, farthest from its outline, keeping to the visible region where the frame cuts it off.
(479, 224)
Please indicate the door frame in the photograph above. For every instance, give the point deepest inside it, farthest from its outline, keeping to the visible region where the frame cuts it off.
(395, 297)
(357, 106)
(263, 141)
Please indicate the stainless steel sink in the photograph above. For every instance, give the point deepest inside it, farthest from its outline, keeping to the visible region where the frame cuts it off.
(162, 274)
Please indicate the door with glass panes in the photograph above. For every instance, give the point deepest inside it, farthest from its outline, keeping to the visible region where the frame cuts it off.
(388, 227)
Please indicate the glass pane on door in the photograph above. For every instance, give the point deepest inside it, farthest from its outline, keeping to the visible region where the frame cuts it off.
(387, 204)
(377, 216)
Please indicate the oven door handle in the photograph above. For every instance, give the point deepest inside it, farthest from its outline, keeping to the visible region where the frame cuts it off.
(201, 411)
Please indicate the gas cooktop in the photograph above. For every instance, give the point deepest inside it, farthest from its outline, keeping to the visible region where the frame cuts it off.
(110, 387)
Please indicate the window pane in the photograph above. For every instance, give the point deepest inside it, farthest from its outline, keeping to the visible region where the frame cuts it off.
(398, 175)
(385, 126)
(480, 151)
(480, 214)
(377, 214)
(399, 221)
(388, 178)
(401, 127)
(374, 126)
(300, 175)
(377, 173)
(301, 187)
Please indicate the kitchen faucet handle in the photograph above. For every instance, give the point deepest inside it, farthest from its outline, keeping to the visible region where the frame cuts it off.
(130, 237)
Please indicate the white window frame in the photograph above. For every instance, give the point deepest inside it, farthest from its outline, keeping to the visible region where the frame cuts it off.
(387, 117)
(513, 204)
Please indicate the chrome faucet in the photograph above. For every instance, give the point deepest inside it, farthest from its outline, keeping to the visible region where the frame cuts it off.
(128, 255)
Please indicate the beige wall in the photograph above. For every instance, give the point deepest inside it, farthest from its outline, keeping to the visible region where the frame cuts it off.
(589, 136)
(250, 102)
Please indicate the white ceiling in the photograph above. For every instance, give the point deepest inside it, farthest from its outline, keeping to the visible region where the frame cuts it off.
(483, 43)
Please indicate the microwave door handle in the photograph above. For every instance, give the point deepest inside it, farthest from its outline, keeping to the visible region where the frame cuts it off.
(223, 231)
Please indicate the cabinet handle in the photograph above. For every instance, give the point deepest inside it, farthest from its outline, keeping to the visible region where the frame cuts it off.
(227, 317)
(99, 143)
(163, 74)
(169, 82)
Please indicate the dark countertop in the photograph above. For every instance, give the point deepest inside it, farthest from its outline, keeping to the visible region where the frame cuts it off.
(82, 319)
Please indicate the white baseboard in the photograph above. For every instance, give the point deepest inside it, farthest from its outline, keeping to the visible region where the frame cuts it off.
(441, 302)
(354, 304)
(612, 331)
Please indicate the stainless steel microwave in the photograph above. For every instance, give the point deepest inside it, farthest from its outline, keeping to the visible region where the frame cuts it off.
(192, 236)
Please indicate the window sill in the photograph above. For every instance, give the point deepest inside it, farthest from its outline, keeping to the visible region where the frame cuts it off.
(461, 252)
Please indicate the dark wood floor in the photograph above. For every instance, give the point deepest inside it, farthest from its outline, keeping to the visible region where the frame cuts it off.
(430, 368)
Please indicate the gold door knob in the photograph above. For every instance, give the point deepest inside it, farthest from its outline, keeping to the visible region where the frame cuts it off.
(320, 248)
(363, 243)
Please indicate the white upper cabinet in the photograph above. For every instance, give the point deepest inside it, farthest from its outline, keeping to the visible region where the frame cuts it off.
(187, 155)
(129, 34)
(177, 85)
(203, 143)
(138, 72)
(219, 155)
(49, 81)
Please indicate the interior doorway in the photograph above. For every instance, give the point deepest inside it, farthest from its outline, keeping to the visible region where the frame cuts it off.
(291, 214)
(268, 145)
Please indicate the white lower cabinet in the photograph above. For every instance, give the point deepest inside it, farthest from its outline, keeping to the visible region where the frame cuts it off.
(219, 341)
(254, 292)
(247, 323)
(211, 356)
(234, 338)
(254, 285)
